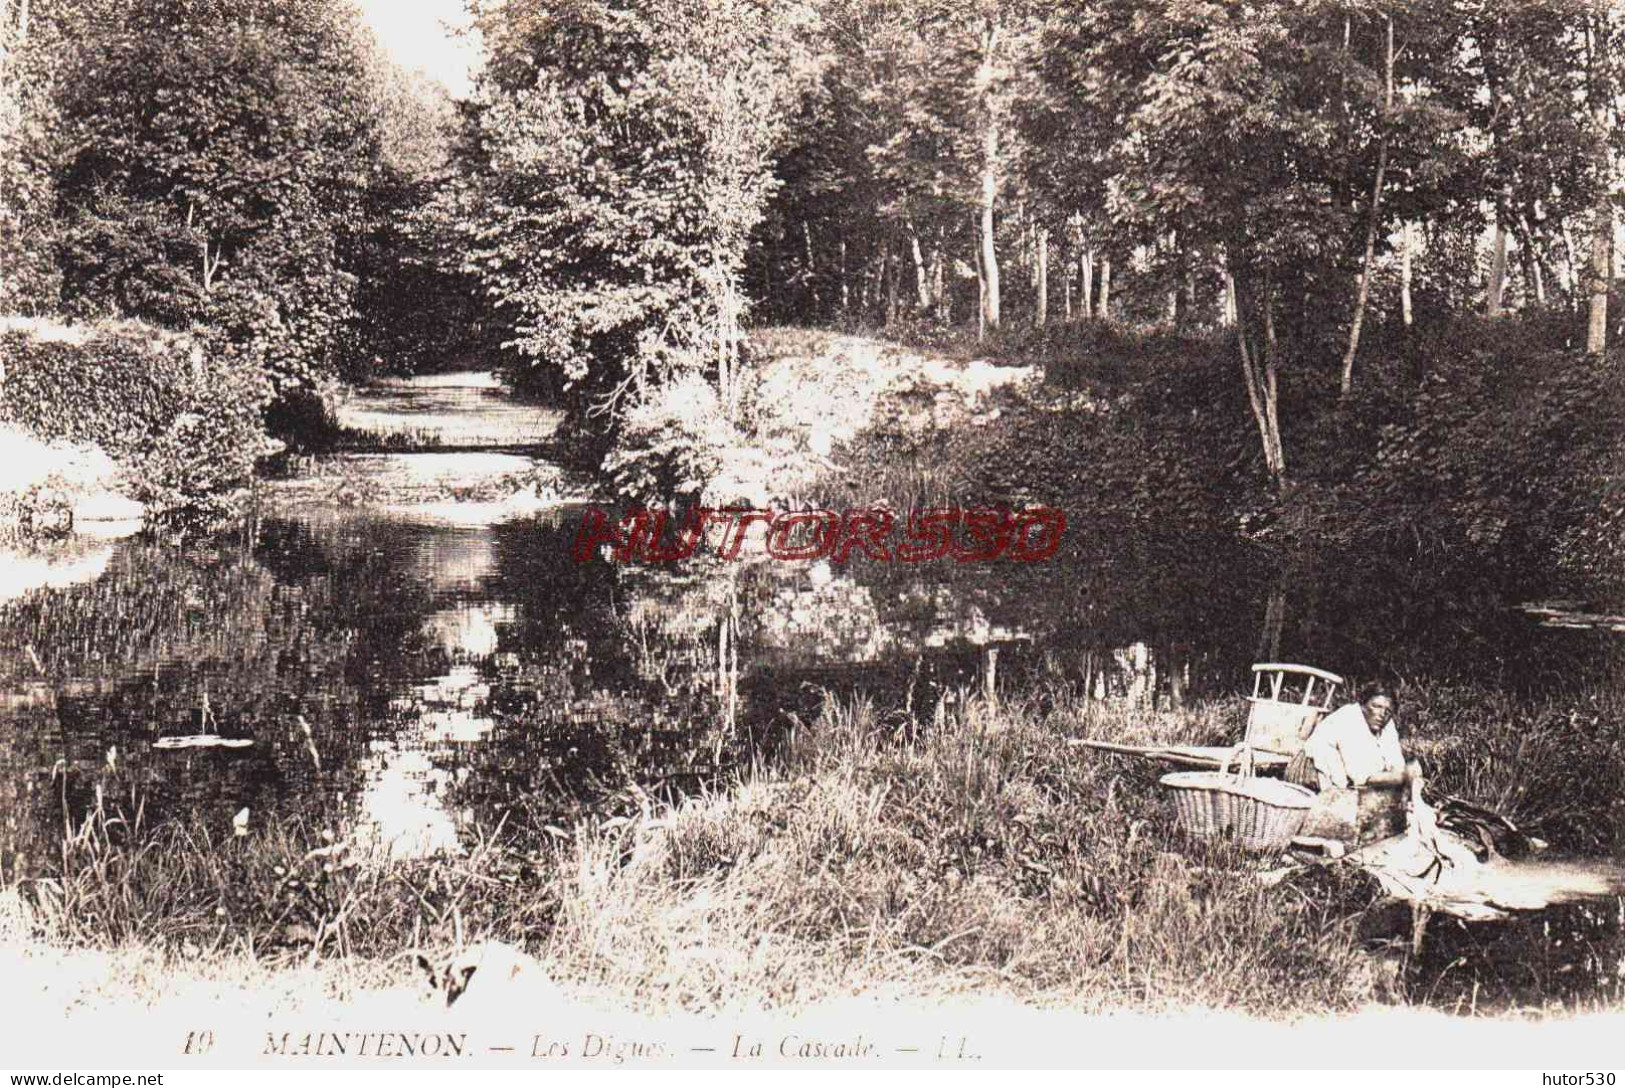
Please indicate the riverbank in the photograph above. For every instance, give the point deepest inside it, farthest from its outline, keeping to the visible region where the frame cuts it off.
(51, 489)
(972, 853)
(1490, 443)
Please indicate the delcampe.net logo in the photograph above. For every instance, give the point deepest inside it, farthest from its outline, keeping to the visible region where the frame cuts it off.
(969, 535)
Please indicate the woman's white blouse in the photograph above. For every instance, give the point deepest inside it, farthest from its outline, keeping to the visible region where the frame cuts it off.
(1345, 752)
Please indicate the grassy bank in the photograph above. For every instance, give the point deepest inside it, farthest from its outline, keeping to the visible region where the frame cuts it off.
(1465, 441)
(978, 853)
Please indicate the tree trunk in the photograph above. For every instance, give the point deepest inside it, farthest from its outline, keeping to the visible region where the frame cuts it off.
(1406, 237)
(1572, 263)
(939, 292)
(1086, 278)
(1597, 327)
(812, 270)
(922, 284)
(990, 179)
(1526, 261)
(1498, 274)
(1066, 286)
(1602, 236)
(989, 256)
(1269, 639)
(1043, 277)
(1602, 240)
(892, 276)
(866, 275)
(846, 288)
(1105, 308)
(1258, 371)
(981, 294)
(1187, 299)
(1372, 222)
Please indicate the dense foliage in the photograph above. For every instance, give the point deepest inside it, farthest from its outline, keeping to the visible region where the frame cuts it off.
(630, 181)
(1475, 442)
(623, 153)
(182, 417)
(239, 166)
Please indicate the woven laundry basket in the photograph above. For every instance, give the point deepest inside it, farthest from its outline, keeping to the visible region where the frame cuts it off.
(1261, 815)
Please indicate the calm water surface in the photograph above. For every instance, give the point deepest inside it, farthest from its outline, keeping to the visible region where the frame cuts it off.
(421, 673)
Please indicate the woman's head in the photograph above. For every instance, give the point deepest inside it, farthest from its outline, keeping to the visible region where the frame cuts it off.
(1380, 703)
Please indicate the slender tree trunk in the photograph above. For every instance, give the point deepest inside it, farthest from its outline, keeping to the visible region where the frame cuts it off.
(1498, 274)
(812, 269)
(989, 256)
(1043, 277)
(1105, 307)
(1269, 639)
(846, 287)
(1272, 400)
(1029, 247)
(1258, 371)
(1086, 278)
(1573, 264)
(922, 283)
(1537, 270)
(1602, 240)
(1602, 236)
(1526, 263)
(1371, 223)
(892, 276)
(866, 272)
(990, 180)
(1406, 241)
(1187, 301)
(981, 293)
(1597, 326)
(939, 292)
(1066, 286)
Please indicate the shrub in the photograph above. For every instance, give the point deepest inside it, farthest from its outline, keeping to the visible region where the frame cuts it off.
(1487, 437)
(184, 423)
(672, 444)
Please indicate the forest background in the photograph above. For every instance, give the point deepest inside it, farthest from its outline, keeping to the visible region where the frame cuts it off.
(1338, 269)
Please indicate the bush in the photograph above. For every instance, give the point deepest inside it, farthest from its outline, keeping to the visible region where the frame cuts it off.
(185, 424)
(1485, 436)
(672, 444)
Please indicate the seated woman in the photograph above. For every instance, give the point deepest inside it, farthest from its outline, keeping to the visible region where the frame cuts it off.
(1357, 744)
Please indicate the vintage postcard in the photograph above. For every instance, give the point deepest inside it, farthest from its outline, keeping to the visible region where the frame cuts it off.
(811, 534)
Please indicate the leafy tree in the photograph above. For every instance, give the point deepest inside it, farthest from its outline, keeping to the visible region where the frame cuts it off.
(416, 307)
(623, 157)
(213, 154)
(1259, 134)
(28, 281)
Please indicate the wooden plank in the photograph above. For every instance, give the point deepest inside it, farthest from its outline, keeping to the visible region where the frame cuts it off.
(1190, 755)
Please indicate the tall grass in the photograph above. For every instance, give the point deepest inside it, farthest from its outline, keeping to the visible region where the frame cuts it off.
(953, 849)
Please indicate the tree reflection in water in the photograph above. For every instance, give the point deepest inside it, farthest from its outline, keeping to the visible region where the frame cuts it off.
(451, 675)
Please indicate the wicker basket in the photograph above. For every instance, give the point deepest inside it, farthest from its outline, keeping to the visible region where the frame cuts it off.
(1260, 814)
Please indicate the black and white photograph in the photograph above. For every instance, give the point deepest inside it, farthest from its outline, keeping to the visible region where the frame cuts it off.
(544, 535)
